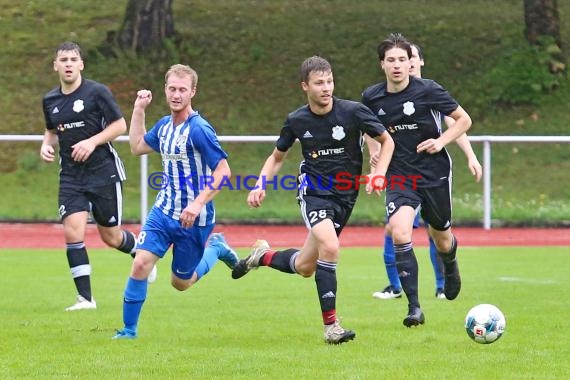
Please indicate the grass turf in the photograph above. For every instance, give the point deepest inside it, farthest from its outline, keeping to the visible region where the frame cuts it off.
(268, 325)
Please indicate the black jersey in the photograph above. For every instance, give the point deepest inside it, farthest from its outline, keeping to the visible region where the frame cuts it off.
(76, 117)
(412, 116)
(331, 146)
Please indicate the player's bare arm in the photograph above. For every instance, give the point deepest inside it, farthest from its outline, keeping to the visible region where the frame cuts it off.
(386, 150)
(463, 142)
(137, 128)
(83, 149)
(47, 151)
(460, 126)
(270, 169)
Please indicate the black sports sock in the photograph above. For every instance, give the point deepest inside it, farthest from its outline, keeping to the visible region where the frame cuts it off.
(80, 268)
(284, 261)
(448, 258)
(407, 265)
(128, 245)
(325, 278)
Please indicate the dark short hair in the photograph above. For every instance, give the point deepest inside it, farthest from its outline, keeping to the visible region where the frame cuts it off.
(420, 52)
(394, 40)
(69, 46)
(314, 64)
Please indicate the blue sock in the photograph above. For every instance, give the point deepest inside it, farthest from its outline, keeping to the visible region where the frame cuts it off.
(437, 268)
(390, 262)
(208, 261)
(135, 295)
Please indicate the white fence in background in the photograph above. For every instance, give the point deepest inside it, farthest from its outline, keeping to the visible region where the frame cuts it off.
(486, 140)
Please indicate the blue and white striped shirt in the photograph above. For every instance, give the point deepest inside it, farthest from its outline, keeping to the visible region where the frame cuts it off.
(190, 153)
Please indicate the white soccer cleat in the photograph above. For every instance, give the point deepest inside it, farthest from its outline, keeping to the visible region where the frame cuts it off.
(153, 274)
(388, 293)
(82, 304)
(335, 334)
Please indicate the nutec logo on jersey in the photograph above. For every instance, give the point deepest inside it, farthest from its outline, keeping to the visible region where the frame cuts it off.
(409, 108)
(65, 126)
(78, 105)
(402, 127)
(326, 152)
(338, 133)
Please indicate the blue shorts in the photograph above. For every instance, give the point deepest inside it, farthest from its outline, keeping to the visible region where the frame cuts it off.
(161, 231)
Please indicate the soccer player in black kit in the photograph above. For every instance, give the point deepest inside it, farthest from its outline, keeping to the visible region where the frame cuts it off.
(82, 116)
(411, 110)
(330, 131)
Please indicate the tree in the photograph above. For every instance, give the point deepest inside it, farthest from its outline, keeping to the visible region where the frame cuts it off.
(146, 25)
(542, 19)
(542, 29)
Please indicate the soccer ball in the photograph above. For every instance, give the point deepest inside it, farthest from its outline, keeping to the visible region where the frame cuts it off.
(485, 323)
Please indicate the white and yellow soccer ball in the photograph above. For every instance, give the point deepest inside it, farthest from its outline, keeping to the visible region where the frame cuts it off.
(485, 323)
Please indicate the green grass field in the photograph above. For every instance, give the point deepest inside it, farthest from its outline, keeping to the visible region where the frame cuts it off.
(268, 325)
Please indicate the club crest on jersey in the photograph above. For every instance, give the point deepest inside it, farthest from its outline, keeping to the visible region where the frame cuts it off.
(181, 141)
(409, 108)
(338, 132)
(78, 105)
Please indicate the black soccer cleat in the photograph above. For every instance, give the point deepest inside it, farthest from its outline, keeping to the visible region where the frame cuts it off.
(240, 270)
(252, 261)
(415, 317)
(452, 280)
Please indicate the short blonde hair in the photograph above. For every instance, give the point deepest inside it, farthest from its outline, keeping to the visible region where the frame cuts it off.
(181, 70)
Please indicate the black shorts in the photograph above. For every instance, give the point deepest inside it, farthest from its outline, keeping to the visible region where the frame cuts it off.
(104, 202)
(316, 209)
(434, 203)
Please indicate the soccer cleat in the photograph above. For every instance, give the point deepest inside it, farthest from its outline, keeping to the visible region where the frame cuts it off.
(125, 334)
(335, 334)
(226, 254)
(152, 275)
(82, 304)
(388, 293)
(415, 317)
(251, 261)
(452, 280)
(440, 294)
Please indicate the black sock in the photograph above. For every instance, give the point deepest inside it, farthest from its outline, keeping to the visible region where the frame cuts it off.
(325, 278)
(407, 265)
(449, 257)
(284, 261)
(128, 245)
(80, 268)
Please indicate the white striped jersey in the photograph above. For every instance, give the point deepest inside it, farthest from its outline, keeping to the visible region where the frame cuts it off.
(190, 153)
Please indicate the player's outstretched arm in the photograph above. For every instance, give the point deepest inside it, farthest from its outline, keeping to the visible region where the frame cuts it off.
(137, 128)
(269, 170)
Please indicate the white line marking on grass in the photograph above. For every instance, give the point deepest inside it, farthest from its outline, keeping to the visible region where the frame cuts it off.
(526, 280)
